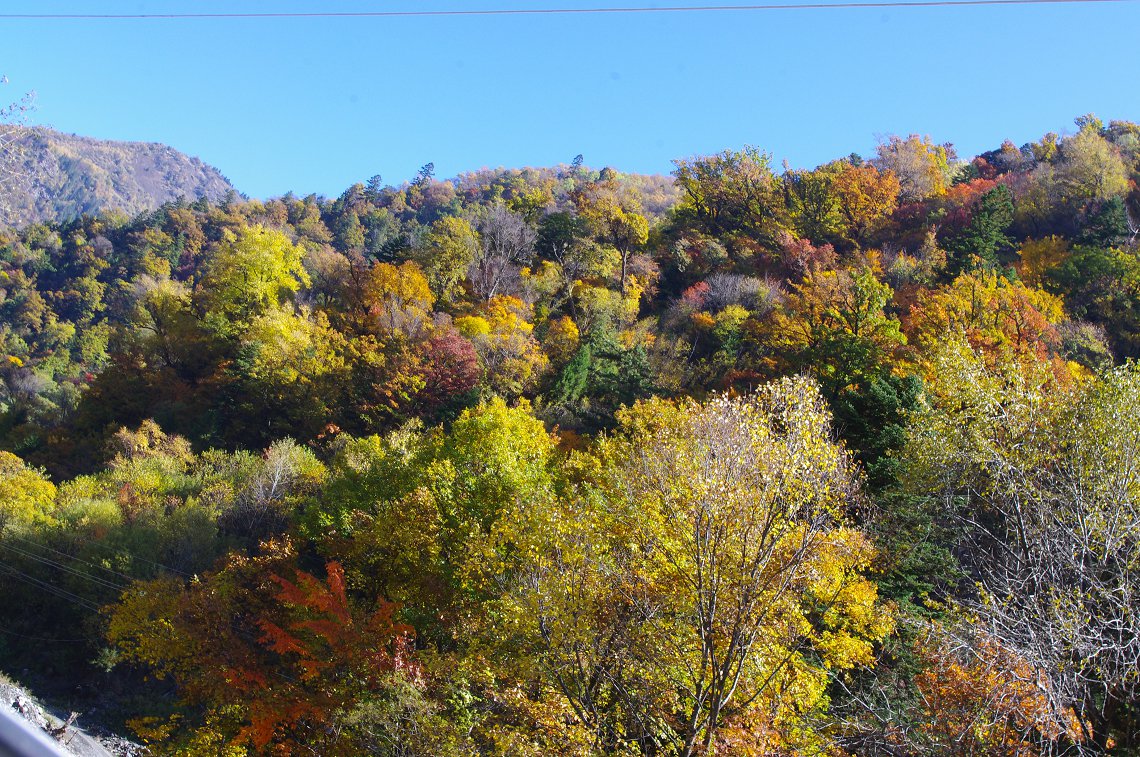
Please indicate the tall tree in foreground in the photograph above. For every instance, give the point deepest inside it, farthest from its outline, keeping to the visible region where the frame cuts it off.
(695, 598)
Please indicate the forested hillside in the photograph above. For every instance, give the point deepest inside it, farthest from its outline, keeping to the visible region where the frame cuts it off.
(65, 176)
(740, 461)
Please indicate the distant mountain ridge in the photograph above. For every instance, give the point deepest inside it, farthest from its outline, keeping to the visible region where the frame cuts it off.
(69, 175)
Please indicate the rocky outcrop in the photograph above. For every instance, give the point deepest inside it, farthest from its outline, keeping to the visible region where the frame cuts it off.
(67, 732)
(63, 176)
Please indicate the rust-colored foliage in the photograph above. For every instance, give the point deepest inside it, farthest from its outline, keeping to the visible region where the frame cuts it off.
(339, 654)
(452, 369)
(315, 656)
(994, 314)
(985, 699)
(865, 197)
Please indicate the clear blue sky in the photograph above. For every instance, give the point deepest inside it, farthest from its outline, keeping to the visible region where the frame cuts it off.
(315, 105)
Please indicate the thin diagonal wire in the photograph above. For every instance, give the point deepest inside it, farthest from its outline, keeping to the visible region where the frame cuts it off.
(50, 589)
(98, 581)
(76, 558)
(543, 11)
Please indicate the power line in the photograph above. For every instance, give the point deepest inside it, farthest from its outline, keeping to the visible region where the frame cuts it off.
(66, 568)
(108, 550)
(543, 11)
(70, 556)
(42, 638)
(49, 588)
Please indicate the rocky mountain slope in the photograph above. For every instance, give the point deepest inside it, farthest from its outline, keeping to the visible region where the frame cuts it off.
(65, 176)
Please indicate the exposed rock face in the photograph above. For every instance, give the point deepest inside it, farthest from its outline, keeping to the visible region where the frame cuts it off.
(70, 736)
(66, 176)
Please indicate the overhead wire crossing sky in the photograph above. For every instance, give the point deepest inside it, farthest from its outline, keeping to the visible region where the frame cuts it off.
(551, 11)
(312, 97)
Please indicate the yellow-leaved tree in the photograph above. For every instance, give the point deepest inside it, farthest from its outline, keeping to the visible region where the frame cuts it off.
(26, 495)
(694, 586)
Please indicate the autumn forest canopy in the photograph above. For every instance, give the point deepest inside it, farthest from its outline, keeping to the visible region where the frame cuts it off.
(745, 460)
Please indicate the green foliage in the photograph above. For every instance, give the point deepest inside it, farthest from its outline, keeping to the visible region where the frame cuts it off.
(1103, 286)
(449, 248)
(986, 236)
(1090, 168)
(872, 419)
(500, 457)
(733, 192)
(249, 275)
(836, 326)
(601, 377)
(236, 404)
(1107, 225)
(26, 496)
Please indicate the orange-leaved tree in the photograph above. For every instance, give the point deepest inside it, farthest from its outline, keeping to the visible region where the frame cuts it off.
(982, 698)
(994, 314)
(260, 660)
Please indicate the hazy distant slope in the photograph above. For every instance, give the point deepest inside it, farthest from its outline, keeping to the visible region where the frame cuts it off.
(72, 175)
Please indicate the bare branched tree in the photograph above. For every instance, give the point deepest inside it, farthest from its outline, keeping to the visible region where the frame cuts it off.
(258, 510)
(1045, 484)
(507, 244)
(15, 176)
